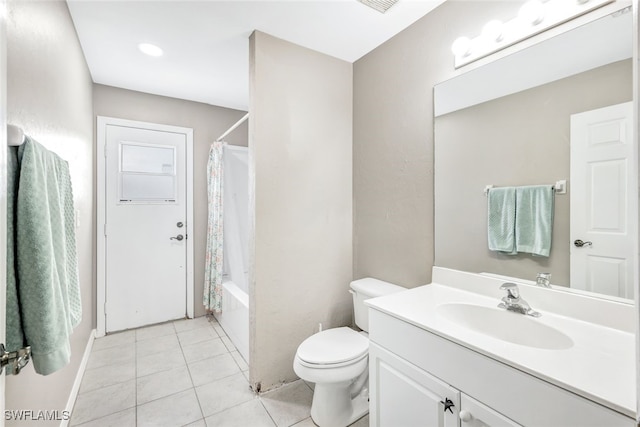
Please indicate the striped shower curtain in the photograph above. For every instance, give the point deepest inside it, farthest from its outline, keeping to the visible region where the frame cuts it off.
(214, 255)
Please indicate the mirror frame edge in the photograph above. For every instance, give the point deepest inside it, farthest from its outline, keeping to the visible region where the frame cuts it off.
(636, 96)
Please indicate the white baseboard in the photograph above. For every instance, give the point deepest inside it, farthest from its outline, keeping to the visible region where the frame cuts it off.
(76, 384)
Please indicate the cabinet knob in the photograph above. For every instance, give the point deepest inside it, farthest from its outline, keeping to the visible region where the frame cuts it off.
(465, 416)
(448, 404)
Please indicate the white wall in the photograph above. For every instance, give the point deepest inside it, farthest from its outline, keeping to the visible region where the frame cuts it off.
(49, 96)
(393, 140)
(300, 149)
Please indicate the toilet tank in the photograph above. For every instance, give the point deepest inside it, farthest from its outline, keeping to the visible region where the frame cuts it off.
(363, 289)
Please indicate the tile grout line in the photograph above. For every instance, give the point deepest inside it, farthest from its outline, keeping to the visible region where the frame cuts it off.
(84, 392)
(100, 418)
(177, 392)
(193, 387)
(231, 350)
(218, 332)
(267, 411)
(240, 371)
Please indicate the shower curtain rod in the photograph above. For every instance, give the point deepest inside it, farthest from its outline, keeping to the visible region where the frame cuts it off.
(232, 128)
(15, 135)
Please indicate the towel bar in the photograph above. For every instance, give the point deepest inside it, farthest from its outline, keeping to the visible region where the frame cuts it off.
(15, 135)
(560, 187)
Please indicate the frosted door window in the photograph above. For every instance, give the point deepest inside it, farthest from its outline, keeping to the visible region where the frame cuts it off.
(147, 173)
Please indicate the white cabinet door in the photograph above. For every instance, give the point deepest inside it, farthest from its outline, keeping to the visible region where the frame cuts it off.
(403, 395)
(475, 414)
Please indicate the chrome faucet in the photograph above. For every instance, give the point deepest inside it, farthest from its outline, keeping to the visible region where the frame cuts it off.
(543, 279)
(513, 302)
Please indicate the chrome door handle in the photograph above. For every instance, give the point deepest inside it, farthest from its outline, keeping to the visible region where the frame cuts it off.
(179, 237)
(579, 243)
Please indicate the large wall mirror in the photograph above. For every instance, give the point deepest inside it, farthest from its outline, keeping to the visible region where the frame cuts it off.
(509, 123)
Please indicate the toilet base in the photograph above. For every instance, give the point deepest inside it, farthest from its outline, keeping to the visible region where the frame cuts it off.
(333, 405)
(360, 408)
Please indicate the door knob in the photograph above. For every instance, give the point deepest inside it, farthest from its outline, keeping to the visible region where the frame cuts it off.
(179, 237)
(579, 243)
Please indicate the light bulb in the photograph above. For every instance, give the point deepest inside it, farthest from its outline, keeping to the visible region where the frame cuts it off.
(492, 30)
(150, 49)
(461, 46)
(532, 12)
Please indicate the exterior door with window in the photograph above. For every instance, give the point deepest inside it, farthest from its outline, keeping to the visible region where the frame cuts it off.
(145, 227)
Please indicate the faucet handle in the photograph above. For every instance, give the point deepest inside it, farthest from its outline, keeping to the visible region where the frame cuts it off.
(512, 290)
(543, 279)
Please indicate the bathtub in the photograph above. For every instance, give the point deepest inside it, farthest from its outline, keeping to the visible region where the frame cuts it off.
(234, 317)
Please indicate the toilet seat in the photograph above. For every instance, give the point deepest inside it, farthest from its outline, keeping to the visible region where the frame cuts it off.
(333, 348)
(331, 365)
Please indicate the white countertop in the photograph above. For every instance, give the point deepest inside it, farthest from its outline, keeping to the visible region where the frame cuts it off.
(600, 365)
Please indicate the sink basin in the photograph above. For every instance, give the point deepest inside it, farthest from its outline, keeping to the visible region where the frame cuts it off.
(504, 325)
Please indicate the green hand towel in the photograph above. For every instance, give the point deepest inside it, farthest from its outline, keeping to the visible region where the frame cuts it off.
(46, 272)
(501, 216)
(534, 219)
(15, 336)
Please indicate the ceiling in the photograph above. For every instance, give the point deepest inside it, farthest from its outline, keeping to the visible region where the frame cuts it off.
(206, 43)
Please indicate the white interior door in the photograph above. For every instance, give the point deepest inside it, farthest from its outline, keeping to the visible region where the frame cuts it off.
(603, 200)
(145, 227)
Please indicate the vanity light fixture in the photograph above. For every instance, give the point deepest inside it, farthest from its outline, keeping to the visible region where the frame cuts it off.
(534, 17)
(380, 5)
(150, 49)
(493, 30)
(532, 12)
(461, 46)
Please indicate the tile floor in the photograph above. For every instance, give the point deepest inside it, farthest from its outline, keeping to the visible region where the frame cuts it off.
(182, 373)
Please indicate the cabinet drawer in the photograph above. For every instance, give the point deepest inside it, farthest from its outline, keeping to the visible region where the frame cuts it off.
(475, 414)
(517, 395)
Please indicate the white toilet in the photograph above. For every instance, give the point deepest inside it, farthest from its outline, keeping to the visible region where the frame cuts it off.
(337, 361)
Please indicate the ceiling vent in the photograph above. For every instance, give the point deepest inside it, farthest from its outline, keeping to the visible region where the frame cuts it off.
(379, 5)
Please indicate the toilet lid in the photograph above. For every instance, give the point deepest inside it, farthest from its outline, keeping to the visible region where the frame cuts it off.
(333, 346)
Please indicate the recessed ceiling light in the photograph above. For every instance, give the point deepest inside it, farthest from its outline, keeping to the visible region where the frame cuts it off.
(150, 49)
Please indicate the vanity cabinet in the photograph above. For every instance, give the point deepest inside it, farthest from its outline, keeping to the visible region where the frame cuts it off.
(403, 395)
(414, 373)
(475, 414)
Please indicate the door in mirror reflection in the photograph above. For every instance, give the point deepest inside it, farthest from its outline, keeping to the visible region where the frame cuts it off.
(602, 204)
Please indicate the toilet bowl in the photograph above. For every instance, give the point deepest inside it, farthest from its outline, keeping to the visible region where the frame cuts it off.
(333, 360)
(337, 361)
